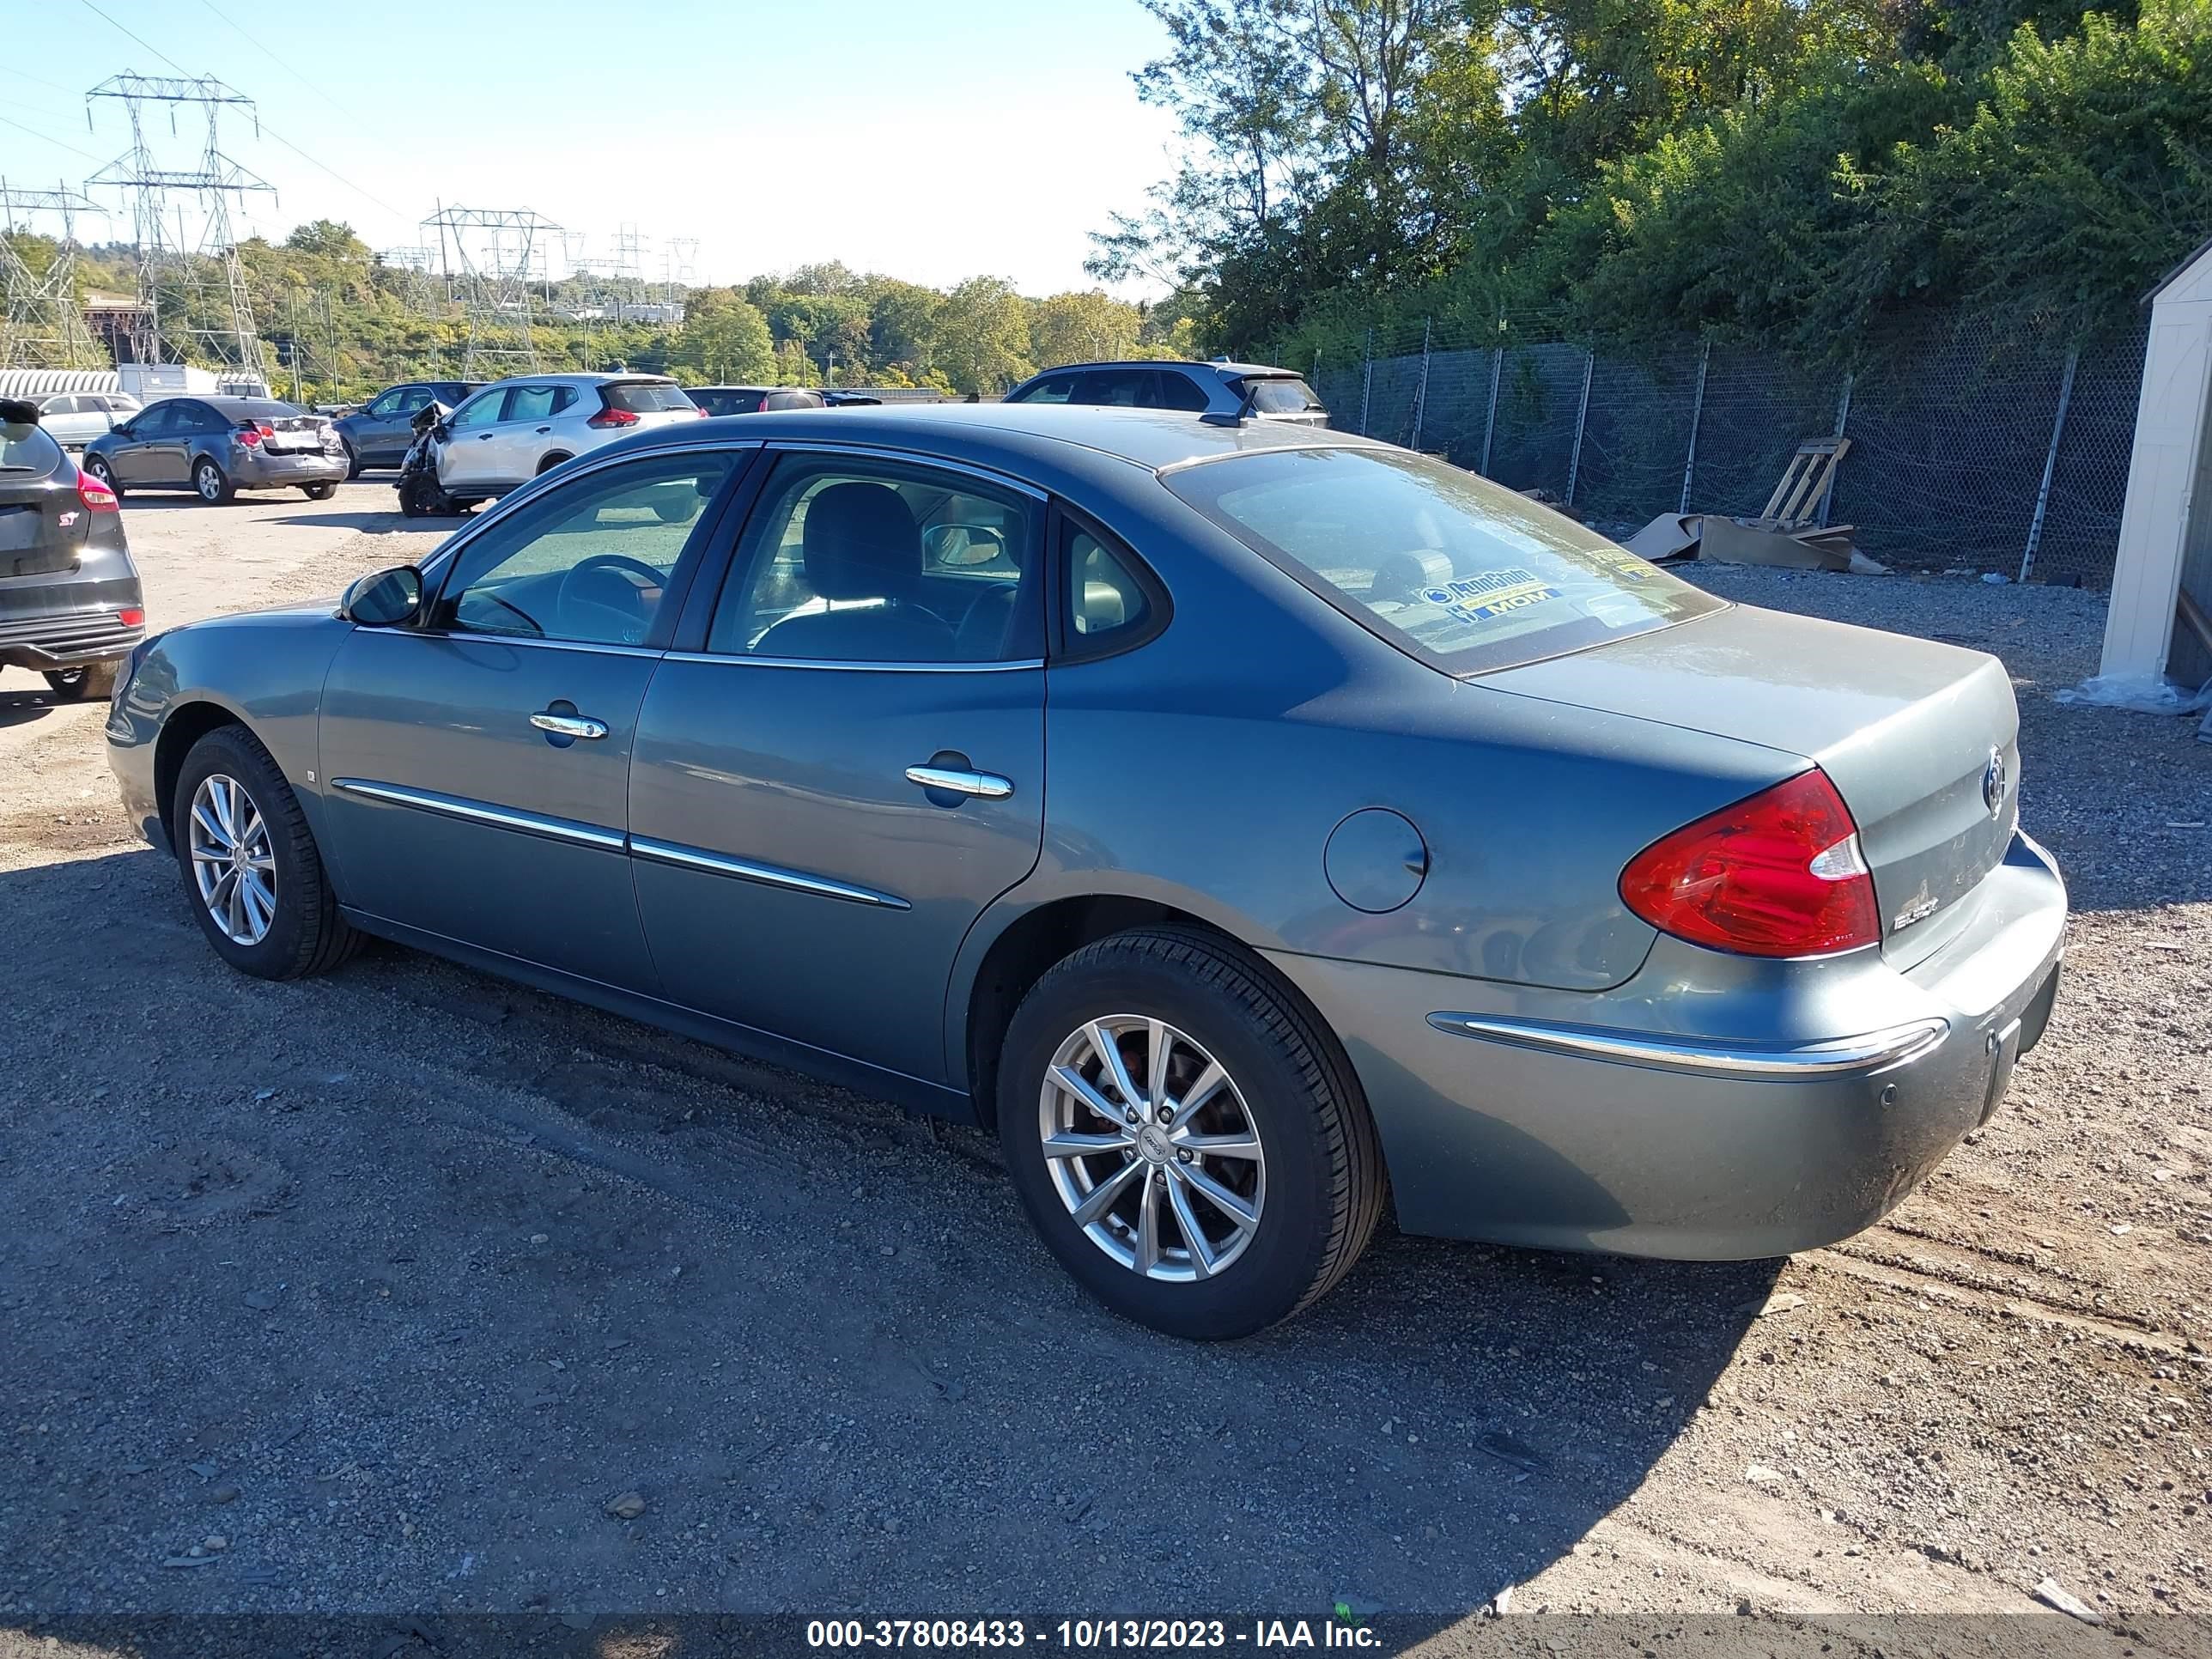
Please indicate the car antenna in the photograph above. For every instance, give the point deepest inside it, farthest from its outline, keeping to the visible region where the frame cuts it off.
(1241, 414)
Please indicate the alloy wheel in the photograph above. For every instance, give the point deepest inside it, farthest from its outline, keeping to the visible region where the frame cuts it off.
(1151, 1146)
(208, 482)
(234, 864)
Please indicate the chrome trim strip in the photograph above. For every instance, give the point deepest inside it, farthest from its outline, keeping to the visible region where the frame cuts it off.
(717, 864)
(518, 639)
(1871, 1052)
(477, 811)
(984, 786)
(858, 667)
(910, 457)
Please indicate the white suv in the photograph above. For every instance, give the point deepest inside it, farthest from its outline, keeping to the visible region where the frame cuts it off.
(514, 429)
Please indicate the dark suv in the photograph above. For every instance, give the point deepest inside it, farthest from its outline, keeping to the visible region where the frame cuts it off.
(69, 600)
(1219, 388)
(379, 433)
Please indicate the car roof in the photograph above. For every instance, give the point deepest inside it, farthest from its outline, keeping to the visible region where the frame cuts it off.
(1219, 368)
(567, 379)
(229, 400)
(1150, 438)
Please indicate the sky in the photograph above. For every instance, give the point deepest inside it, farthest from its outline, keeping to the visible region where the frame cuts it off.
(931, 140)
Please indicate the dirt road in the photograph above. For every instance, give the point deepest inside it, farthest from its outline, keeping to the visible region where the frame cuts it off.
(394, 1281)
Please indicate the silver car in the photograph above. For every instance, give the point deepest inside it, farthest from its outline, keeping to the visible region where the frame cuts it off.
(516, 428)
(1254, 825)
(74, 419)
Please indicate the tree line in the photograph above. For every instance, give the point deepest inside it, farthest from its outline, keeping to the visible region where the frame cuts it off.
(336, 322)
(1793, 173)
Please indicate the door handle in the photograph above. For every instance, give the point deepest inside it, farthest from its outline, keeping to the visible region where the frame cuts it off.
(569, 726)
(483, 437)
(985, 786)
(544, 429)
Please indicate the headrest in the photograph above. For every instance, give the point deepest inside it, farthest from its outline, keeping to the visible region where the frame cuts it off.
(860, 543)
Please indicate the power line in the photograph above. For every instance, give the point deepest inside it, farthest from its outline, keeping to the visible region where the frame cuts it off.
(263, 49)
(267, 131)
(56, 142)
(55, 85)
(140, 39)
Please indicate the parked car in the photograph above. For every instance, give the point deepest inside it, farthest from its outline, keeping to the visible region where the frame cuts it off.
(751, 399)
(74, 419)
(216, 446)
(1222, 389)
(516, 428)
(71, 606)
(379, 433)
(1249, 823)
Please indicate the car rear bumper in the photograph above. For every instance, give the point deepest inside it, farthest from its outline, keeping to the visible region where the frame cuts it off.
(258, 470)
(67, 623)
(1629, 1121)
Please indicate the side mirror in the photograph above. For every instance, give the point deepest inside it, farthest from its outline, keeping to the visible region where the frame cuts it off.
(383, 598)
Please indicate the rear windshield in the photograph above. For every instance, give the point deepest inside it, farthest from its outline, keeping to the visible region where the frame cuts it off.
(27, 448)
(1283, 396)
(1452, 568)
(260, 409)
(645, 396)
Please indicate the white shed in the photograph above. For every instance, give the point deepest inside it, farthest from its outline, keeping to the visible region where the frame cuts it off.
(2164, 567)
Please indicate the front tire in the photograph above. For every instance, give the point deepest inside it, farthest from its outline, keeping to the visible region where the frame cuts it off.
(211, 484)
(97, 466)
(251, 872)
(80, 685)
(1184, 1138)
(353, 463)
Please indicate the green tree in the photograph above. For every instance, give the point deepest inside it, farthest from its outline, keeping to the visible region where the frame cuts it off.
(724, 340)
(983, 336)
(1067, 328)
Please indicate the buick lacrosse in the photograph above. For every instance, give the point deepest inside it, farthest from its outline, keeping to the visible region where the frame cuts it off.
(1251, 824)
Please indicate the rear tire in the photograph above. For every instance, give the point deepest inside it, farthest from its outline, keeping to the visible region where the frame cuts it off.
(81, 685)
(318, 492)
(299, 931)
(1309, 1173)
(211, 484)
(550, 463)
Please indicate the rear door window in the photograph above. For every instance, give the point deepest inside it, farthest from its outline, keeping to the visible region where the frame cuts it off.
(1463, 574)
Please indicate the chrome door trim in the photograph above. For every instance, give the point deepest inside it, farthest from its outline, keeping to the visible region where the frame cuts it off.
(770, 875)
(909, 457)
(858, 667)
(516, 639)
(479, 812)
(523, 492)
(1871, 1052)
(984, 786)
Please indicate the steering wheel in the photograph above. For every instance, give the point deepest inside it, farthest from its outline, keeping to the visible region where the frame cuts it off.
(628, 620)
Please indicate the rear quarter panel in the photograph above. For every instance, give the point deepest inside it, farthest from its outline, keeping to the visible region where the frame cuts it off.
(1207, 769)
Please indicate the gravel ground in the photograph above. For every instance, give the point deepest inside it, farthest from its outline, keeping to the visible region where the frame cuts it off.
(387, 1293)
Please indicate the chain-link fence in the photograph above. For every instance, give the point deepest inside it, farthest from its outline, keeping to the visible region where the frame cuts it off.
(1968, 451)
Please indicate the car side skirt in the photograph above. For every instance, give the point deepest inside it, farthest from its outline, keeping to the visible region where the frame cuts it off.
(915, 1094)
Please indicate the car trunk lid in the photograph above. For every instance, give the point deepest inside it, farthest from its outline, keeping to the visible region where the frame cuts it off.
(1920, 738)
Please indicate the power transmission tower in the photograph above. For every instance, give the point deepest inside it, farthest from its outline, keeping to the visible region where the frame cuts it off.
(678, 272)
(44, 328)
(486, 256)
(417, 292)
(168, 283)
(630, 249)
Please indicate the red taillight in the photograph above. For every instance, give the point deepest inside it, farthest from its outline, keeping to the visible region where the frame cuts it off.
(251, 431)
(1778, 875)
(607, 417)
(96, 496)
(133, 617)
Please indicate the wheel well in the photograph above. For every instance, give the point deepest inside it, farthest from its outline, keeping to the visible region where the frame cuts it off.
(183, 728)
(1023, 955)
(550, 462)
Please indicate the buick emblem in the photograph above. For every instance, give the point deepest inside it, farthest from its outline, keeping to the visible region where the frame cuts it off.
(1993, 783)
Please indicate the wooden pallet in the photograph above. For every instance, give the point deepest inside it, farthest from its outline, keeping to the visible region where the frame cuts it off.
(1796, 500)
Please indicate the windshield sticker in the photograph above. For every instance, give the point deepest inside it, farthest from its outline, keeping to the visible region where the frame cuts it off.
(1472, 599)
